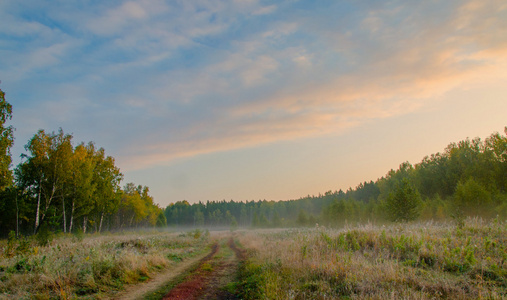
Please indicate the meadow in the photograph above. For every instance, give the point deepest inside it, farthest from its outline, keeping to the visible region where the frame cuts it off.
(430, 260)
(402, 261)
(91, 266)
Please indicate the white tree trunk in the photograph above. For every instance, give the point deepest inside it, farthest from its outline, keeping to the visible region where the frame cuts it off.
(71, 216)
(85, 220)
(38, 205)
(64, 219)
(101, 219)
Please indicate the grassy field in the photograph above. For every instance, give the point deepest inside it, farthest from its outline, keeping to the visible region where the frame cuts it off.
(94, 267)
(405, 261)
(402, 261)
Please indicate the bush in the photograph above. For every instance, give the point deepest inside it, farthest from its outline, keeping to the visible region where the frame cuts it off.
(44, 236)
(79, 235)
(9, 250)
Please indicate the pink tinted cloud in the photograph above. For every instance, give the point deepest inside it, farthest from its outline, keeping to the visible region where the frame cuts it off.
(457, 53)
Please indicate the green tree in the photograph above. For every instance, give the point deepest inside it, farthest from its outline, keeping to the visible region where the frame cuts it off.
(472, 198)
(8, 193)
(277, 222)
(243, 217)
(45, 171)
(106, 183)
(302, 219)
(198, 218)
(161, 220)
(6, 141)
(255, 220)
(498, 145)
(80, 185)
(217, 217)
(136, 207)
(405, 203)
(263, 221)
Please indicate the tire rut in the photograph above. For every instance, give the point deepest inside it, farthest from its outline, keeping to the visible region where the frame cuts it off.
(209, 280)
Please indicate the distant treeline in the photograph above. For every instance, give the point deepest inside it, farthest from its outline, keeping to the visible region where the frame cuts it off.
(468, 178)
(62, 187)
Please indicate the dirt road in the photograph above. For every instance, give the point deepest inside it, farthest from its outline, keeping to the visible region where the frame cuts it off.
(139, 291)
(207, 276)
(212, 278)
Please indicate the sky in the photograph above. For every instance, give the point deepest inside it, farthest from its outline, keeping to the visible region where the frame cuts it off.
(250, 99)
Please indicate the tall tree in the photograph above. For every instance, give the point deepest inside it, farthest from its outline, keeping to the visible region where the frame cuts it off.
(6, 141)
(106, 182)
(80, 186)
(472, 198)
(45, 170)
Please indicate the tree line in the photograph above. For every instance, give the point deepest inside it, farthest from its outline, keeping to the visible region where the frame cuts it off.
(62, 187)
(468, 178)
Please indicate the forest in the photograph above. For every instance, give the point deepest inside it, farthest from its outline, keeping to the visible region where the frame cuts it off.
(59, 187)
(469, 178)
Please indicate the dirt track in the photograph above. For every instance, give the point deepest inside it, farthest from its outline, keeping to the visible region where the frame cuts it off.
(209, 280)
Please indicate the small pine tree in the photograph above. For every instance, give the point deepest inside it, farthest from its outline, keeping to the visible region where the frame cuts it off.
(405, 203)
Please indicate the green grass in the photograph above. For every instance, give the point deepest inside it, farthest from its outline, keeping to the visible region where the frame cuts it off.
(416, 260)
(410, 260)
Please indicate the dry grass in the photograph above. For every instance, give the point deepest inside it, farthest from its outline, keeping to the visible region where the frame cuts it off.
(95, 267)
(407, 261)
(422, 261)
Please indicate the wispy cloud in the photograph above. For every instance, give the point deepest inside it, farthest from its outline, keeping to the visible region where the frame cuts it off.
(265, 10)
(182, 78)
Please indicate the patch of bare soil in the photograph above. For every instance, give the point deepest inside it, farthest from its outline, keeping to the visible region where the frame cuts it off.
(211, 277)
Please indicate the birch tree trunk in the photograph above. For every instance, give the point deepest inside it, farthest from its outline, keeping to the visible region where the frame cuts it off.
(38, 205)
(101, 219)
(85, 220)
(71, 216)
(64, 219)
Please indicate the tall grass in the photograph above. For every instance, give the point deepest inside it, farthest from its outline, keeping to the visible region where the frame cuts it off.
(422, 261)
(91, 266)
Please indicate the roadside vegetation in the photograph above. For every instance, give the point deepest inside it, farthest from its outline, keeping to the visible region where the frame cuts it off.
(92, 266)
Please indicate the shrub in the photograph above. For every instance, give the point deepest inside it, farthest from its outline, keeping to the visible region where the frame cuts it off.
(9, 250)
(79, 235)
(44, 236)
(24, 245)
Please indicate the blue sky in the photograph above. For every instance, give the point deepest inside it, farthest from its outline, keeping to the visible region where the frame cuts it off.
(249, 100)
